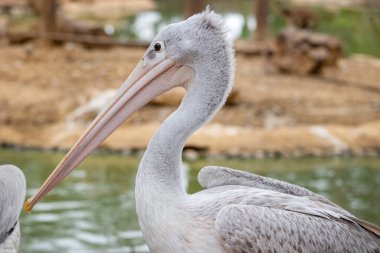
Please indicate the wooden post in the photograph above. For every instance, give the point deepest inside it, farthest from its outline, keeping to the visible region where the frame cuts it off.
(262, 11)
(194, 6)
(47, 18)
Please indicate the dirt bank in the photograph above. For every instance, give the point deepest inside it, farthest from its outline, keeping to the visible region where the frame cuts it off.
(270, 114)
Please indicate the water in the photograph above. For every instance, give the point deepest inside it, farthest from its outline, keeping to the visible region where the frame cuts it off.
(93, 209)
(358, 29)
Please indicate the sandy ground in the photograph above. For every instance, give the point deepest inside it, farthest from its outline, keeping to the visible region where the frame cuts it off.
(270, 114)
(110, 9)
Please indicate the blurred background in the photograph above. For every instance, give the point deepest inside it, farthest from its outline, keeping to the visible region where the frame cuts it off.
(305, 107)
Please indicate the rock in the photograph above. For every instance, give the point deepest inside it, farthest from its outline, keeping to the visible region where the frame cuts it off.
(301, 17)
(305, 52)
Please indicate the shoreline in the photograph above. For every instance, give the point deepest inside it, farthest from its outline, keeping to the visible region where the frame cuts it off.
(268, 115)
(196, 150)
(375, 153)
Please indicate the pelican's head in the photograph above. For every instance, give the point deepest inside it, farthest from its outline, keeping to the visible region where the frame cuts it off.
(178, 56)
(197, 40)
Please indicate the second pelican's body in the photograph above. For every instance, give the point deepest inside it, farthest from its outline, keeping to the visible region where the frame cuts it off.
(12, 197)
(237, 212)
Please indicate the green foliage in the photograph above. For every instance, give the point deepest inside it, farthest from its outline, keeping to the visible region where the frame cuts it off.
(358, 29)
(124, 31)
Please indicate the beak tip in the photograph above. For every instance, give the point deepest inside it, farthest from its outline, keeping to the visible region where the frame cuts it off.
(28, 208)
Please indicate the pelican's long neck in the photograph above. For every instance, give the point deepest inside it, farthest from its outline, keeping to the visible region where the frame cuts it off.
(161, 163)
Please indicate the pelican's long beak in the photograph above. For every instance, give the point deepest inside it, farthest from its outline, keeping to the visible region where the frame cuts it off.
(145, 83)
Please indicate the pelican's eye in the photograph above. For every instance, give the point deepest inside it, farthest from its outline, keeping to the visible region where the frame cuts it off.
(158, 46)
(156, 51)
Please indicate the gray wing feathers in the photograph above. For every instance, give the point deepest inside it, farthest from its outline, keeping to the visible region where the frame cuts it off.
(367, 225)
(213, 176)
(311, 204)
(248, 228)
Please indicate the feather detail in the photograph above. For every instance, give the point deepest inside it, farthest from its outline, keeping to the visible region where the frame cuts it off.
(308, 202)
(367, 225)
(211, 19)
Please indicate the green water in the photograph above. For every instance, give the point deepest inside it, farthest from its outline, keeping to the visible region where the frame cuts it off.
(93, 209)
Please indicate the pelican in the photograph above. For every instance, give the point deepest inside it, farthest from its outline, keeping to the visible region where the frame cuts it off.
(12, 197)
(237, 211)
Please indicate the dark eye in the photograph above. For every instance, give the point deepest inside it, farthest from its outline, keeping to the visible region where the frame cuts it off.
(157, 47)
